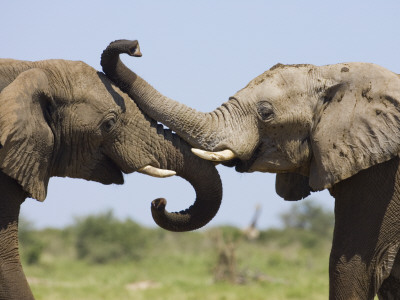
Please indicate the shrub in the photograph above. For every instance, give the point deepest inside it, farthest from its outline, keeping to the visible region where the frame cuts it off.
(309, 216)
(103, 238)
(305, 224)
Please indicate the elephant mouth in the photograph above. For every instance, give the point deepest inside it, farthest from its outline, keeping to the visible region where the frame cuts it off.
(244, 166)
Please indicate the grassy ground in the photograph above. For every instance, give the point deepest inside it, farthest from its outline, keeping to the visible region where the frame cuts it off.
(280, 265)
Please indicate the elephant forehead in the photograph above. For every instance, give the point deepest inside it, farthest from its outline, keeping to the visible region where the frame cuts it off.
(89, 85)
(283, 86)
(102, 97)
(282, 75)
(85, 114)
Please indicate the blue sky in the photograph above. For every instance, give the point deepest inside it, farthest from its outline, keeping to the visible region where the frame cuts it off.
(199, 53)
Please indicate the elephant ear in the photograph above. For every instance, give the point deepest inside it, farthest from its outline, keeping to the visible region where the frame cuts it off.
(25, 137)
(292, 186)
(357, 126)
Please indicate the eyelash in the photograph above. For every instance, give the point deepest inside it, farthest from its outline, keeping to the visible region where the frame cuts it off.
(109, 123)
(265, 111)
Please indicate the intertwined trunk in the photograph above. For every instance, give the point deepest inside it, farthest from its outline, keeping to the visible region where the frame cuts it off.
(201, 130)
(176, 154)
(202, 175)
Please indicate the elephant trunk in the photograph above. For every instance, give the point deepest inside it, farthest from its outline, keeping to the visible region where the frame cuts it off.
(201, 130)
(201, 174)
(176, 155)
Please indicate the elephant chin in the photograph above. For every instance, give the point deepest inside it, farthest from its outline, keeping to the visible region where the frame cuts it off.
(107, 172)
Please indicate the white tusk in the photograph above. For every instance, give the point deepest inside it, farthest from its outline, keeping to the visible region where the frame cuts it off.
(156, 172)
(223, 155)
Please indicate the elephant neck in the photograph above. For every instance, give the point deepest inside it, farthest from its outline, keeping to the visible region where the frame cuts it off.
(379, 183)
(366, 207)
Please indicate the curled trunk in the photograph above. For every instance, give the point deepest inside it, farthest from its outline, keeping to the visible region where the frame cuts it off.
(176, 154)
(204, 178)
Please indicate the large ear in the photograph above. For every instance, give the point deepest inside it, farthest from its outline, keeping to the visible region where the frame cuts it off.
(292, 186)
(25, 137)
(357, 126)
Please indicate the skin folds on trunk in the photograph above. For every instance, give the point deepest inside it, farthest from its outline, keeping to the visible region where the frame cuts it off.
(201, 174)
(193, 126)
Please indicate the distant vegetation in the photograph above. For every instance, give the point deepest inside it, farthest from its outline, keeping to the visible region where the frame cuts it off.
(310, 217)
(104, 239)
(101, 257)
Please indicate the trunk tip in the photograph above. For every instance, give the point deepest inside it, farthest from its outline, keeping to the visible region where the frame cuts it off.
(158, 204)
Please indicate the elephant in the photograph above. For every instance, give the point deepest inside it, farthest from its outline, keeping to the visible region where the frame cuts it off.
(63, 118)
(334, 127)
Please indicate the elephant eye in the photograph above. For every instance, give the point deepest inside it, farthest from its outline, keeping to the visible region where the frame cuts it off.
(265, 110)
(108, 124)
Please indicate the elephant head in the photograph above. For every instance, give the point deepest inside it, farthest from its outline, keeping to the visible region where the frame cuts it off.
(313, 126)
(63, 118)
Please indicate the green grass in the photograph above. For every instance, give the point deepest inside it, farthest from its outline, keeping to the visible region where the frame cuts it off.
(173, 280)
(281, 265)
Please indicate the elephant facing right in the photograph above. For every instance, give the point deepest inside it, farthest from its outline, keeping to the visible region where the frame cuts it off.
(333, 127)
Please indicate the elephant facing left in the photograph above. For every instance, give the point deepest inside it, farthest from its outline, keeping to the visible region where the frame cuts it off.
(64, 118)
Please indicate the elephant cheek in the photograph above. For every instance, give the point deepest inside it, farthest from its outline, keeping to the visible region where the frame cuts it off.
(130, 156)
(292, 155)
(302, 153)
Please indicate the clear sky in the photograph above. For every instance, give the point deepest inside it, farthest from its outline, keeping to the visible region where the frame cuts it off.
(199, 53)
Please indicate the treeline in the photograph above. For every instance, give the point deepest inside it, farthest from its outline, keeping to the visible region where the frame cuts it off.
(103, 238)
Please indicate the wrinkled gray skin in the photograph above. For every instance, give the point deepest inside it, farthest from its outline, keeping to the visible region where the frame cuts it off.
(335, 127)
(63, 118)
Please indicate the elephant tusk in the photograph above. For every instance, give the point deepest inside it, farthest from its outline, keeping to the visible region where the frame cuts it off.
(156, 172)
(223, 155)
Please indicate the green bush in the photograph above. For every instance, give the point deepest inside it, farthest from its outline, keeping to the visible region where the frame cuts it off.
(309, 216)
(305, 224)
(103, 238)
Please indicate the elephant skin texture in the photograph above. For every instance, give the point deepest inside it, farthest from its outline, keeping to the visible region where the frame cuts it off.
(63, 118)
(333, 127)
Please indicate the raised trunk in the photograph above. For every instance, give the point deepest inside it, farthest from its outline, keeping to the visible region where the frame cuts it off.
(201, 174)
(202, 130)
(13, 284)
